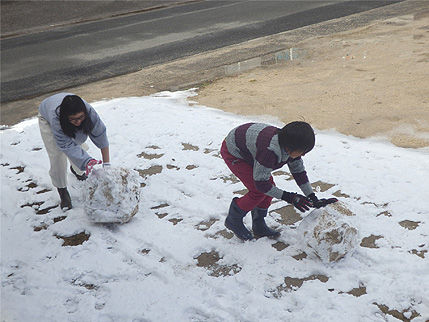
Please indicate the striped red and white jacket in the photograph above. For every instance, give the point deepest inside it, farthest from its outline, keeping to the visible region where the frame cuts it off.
(258, 145)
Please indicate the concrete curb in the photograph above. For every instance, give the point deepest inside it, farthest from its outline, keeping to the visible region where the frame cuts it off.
(196, 70)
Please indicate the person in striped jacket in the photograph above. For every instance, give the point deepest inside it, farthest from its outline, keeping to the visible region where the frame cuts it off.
(252, 151)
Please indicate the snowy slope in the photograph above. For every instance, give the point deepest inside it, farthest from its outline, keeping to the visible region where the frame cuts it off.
(175, 262)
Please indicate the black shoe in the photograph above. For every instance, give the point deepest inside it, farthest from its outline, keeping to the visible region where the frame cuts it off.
(80, 177)
(234, 222)
(259, 227)
(65, 198)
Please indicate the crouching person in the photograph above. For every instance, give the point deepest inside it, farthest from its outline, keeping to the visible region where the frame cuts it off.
(252, 151)
(65, 122)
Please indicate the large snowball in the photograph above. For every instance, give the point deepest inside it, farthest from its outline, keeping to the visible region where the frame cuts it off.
(327, 234)
(112, 195)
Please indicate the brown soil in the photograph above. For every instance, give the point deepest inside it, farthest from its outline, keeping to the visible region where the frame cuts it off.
(370, 81)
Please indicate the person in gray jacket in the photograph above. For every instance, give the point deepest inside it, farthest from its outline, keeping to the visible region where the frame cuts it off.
(65, 122)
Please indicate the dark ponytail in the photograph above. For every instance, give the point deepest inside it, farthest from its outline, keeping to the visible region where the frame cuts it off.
(73, 104)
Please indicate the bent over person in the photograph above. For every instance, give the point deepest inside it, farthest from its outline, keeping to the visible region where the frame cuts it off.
(252, 151)
(65, 122)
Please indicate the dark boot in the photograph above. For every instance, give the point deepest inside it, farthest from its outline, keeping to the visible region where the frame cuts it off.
(80, 177)
(65, 198)
(234, 222)
(259, 227)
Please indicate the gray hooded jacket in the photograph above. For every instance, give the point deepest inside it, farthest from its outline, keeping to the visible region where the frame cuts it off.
(72, 146)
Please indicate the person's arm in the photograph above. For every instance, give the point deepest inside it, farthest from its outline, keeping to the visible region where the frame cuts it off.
(98, 134)
(105, 154)
(300, 176)
(262, 176)
(262, 180)
(297, 169)
(74, 151)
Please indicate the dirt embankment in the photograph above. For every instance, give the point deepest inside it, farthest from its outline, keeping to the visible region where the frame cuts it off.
(371, 81)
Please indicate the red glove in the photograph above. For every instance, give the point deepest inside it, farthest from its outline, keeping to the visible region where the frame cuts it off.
(91, 163)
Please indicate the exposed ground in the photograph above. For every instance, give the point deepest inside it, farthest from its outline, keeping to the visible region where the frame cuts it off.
(370, 81)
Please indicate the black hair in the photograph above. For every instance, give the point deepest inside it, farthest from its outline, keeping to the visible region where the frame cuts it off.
(73, 104)
(297, 136)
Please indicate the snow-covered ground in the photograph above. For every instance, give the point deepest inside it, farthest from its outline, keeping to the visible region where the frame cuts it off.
(175, 262)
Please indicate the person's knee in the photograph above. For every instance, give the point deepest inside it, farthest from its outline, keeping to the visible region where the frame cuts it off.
(265, 203)
(256, 196)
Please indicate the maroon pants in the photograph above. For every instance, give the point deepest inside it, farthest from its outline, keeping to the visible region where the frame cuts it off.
(243, 171)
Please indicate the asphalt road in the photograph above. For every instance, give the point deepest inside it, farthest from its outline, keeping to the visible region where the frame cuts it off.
(71, 55)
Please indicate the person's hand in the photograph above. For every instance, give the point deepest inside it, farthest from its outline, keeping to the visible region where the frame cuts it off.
(299, 201)
(91, 163)
(319, 203)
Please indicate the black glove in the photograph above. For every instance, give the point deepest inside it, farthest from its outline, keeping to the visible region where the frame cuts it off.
(319, 203)
(299, 201)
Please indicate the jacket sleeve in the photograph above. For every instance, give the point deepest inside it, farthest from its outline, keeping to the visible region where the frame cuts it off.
(297, 169)
(74, 152)
(261, 177)
(98, 133)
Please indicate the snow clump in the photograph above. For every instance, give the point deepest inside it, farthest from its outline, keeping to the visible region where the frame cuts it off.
(112, 195)
(327, 234)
